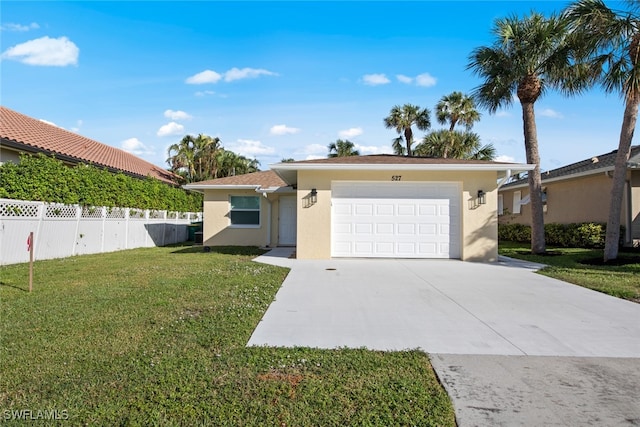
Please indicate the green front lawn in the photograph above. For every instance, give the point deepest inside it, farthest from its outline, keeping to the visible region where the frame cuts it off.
(622, 281)
(157, 336)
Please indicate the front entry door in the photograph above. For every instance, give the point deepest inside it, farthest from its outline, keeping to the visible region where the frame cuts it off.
(287, 222)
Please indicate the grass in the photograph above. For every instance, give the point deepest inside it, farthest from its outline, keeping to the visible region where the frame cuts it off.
(570, 265)
(157, 336)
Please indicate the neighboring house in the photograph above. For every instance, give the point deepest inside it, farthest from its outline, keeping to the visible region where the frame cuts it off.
(579, 192)
(361, 206)
(23, 134)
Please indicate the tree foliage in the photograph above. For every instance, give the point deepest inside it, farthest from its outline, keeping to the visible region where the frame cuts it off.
(342, 148)
(455, 144)
(612, 41)
(402, 119)
(46, 179)
(528, 56)
(202, 157)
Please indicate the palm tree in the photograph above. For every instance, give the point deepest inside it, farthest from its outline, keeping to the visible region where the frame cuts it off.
(614, 39)
(402, 119)
(457, 108)
(455, 144)
(194, 157)
(181, 158)
(528, 57)
(342, 148)
(231, 164)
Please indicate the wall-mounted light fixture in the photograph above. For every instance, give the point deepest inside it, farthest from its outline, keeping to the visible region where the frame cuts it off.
(314, 195)
(482, 197)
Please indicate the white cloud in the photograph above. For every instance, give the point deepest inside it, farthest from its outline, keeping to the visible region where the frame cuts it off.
(19, 27)
(350, 133)
(375, 79)
(177, 115)
(50, 123)
(425, 79)
(205, 93)
(404, 79)
(206, 76)
(76, 129)
(135, 146)
(548, 112)
(172, 128)
(314, 157)
(503, 114)
(45, 51)
(250, 148)
(209, 76)
(504, 158)
(372, 149)
(246, 73)
(316, 151)
(283, 130)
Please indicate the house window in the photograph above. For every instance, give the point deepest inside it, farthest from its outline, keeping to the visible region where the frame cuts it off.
(517, 195)
(500, 204)
(245, 211)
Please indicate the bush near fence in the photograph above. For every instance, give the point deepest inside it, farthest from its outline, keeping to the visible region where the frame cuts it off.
(46, 179)
(576, 235)
(65, 230)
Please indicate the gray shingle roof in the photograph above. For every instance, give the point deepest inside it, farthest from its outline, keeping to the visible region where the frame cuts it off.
(592, 164)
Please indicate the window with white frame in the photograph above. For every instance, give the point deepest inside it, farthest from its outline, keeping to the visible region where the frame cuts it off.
(500, 204)
(245, 211)
(517, 196)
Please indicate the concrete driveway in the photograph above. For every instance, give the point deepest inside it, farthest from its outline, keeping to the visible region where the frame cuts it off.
(511, 347)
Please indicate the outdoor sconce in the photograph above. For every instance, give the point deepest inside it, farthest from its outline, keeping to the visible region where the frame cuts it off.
(482, 197)
(314, 196)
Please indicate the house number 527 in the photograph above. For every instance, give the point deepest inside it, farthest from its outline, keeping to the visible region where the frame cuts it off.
(396, 177)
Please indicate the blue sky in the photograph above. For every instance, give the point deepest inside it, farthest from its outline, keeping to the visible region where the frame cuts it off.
(272, 80)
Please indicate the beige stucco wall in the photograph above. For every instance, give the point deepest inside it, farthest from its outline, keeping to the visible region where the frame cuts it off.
(9, 156)
(478, 228)
(584, 199)
(217, 230)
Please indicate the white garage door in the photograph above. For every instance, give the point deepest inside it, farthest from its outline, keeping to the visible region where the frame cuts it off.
(395, 219)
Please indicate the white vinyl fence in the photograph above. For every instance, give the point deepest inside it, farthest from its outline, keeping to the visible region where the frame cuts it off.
(66, 230)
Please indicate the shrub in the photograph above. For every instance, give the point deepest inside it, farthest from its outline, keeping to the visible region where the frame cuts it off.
(576, 235)
(46, 179)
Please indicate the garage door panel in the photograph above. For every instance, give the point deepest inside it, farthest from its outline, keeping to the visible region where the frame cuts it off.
(343, 209)
(363, 209)
(385, 228)
(362, 228)
(406, 210)
(387, 209)
(409, 229)
(385, 248)
(404, 220)
(428, 229)
(363, 248)
(342, 228)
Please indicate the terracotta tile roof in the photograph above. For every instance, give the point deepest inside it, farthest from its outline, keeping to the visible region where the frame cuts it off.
(36, 135)
(592, 164)
(378, 159)
(263, 179)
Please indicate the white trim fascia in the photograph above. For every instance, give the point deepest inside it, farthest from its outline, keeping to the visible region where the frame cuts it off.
(220, 187)
(388, 166)
(563, 177)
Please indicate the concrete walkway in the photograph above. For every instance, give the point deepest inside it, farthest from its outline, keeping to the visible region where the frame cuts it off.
(481, 324)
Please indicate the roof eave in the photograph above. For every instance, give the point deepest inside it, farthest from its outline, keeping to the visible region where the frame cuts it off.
(288, 171)
(563, 177)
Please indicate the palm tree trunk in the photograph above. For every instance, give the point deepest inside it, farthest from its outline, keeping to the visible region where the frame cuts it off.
(535, 181)
(612, 238)
(408, 137)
